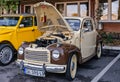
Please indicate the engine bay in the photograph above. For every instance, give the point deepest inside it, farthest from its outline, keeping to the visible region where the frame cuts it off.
(45, 42)
(50, 38)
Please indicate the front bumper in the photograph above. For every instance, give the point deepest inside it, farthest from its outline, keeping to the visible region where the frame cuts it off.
(46, 67)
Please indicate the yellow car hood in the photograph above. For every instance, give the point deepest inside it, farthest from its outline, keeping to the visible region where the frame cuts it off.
(49, 18)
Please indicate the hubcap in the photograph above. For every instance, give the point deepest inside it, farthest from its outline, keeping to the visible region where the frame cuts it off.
(6, 55)
(73, 67)
(99, 51)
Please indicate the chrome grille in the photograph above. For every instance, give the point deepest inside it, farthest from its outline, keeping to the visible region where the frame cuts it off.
(41, 56)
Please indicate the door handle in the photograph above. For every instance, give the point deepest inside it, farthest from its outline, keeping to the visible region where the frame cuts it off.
(33, 29)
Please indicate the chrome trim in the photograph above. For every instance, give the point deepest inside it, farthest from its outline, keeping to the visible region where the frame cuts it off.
(39, 54)
(48, 67)
(55, 69)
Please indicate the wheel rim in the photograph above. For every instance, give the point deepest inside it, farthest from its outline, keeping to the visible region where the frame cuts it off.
(99, 51)
(73, 66)
(6, 55)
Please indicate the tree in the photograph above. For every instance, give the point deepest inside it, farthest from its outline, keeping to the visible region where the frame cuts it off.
(9, 5)
(1, 6)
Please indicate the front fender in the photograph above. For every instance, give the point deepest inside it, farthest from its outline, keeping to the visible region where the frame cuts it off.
(23, 45)
(99, 39)
(65, 51)
(9, 37)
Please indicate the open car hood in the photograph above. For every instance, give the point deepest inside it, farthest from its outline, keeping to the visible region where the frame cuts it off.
(49, 18)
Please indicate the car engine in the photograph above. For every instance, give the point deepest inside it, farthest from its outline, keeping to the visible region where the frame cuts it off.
(45, 42)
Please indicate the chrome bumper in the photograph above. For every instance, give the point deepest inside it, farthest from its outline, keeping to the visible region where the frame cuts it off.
(47, 67)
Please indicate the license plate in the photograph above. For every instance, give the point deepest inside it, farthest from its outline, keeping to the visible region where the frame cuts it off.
(34, 72)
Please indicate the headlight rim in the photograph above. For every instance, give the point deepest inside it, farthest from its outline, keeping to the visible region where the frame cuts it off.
(54, 52)
(20, 52)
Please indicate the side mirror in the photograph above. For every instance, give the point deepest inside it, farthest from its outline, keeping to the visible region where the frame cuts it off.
(21, 25)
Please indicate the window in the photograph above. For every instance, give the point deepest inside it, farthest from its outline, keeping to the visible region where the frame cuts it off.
(78, 8)
(109, 9)
(27, 9)
(27, 21)
(115, 9)
(74, 24)
(72, 9)
(35, 21)
(60, 8)
(88, 26)
(84, 9)
(8, 21)
(103, 5)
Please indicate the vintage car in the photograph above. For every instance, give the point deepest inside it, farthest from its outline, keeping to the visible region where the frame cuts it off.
(66, 42)
(14, 29)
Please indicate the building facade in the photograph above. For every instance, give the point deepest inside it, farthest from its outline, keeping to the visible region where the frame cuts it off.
(66, 7)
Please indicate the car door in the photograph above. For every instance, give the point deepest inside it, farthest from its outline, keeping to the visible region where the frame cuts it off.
(88, 38)
(25, 31)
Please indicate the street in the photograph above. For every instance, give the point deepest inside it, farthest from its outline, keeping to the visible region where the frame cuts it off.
(85, 73)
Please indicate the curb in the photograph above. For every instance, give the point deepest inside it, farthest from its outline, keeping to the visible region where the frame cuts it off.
(112, 47)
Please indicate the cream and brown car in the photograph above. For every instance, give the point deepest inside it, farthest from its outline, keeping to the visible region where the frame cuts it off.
(66, 42)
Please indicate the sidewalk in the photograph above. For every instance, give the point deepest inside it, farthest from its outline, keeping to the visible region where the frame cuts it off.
(111, 50)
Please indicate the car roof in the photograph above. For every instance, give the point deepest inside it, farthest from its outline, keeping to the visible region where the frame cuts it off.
(18, 14)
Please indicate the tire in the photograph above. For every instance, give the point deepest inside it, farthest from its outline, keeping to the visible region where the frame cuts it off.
(71, 67)
(6, 54)
(99, 50)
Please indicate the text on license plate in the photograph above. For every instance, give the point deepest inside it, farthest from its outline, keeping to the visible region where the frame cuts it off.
(34, 72)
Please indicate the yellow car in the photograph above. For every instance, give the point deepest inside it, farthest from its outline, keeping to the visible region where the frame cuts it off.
(14, 29)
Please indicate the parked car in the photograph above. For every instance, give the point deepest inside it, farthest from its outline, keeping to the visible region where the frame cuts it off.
(66, 42)
(14, 29)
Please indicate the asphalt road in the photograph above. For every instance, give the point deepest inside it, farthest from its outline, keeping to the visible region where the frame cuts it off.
(85, 73)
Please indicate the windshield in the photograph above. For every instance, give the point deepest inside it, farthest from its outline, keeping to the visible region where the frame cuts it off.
(74, 24)
(8, 21)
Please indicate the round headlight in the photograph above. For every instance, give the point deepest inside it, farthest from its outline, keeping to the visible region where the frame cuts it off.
(20, 50)
(56, 54)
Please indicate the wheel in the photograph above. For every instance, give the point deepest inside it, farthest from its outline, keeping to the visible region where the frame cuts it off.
(71, 67)
(99, 50)
(6, 54)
